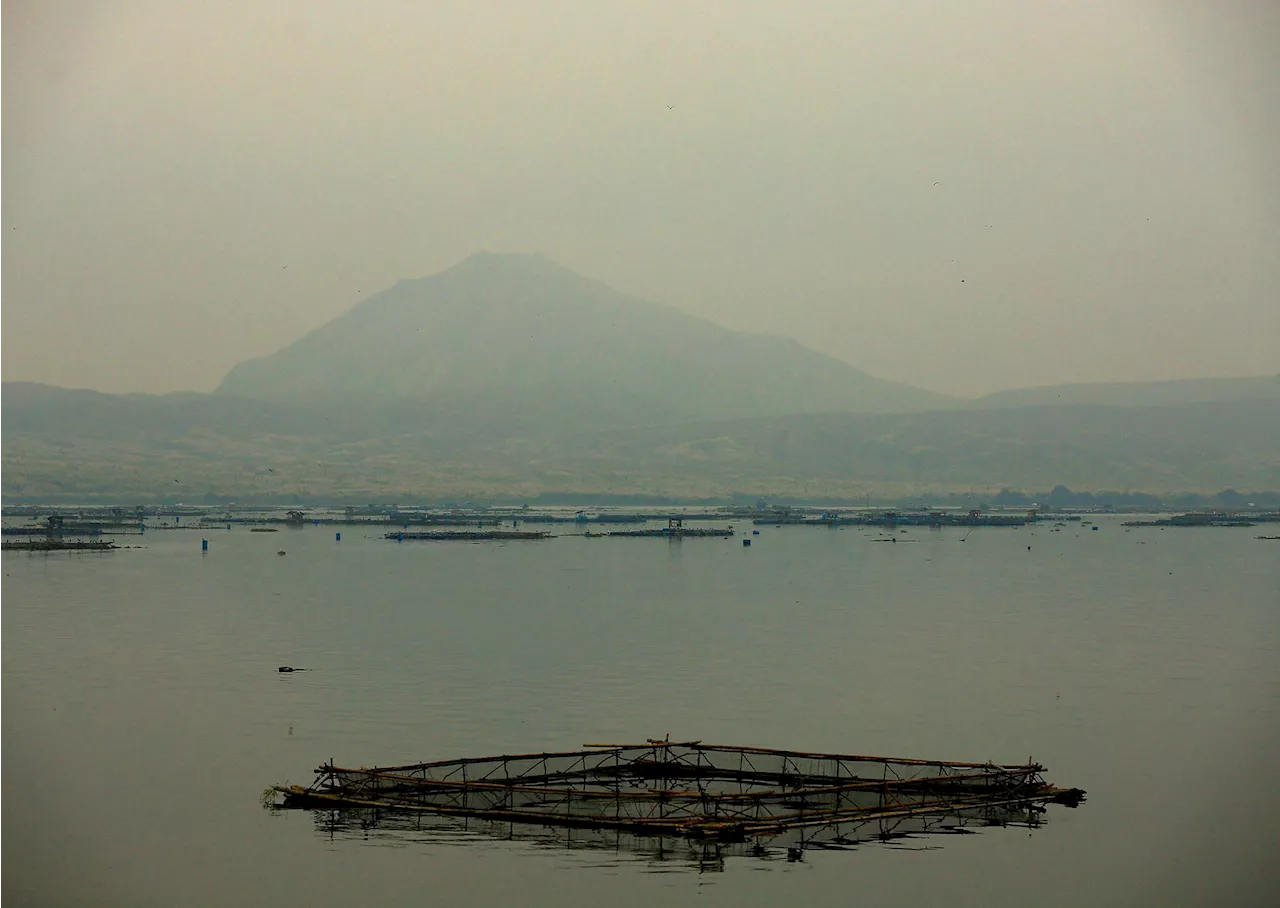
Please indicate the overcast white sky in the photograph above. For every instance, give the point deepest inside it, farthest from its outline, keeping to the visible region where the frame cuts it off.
(966, 196)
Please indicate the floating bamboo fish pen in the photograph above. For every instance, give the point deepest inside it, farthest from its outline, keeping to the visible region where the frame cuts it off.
(57, 545)
(675, 529)
(678, 533)
(472, 535)
(688, 790)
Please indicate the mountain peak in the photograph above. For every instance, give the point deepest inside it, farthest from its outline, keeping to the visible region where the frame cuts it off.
(519, 330)
(487, 256)
(507, 262)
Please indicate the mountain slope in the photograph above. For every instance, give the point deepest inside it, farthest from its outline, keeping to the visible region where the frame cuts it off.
(64, 445)
(1140, 393)
(1198, 446)
(519, 329)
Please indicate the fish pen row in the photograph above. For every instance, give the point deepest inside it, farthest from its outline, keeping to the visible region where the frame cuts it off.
(465, 535)
(69, 529)
(905, 520)
(485, 535)
(582, 518)
(393, 520)
(672, 532)
(1200, 519)
(56, 545)
(688, 789)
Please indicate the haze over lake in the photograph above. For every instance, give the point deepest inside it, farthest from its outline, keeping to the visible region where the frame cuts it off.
(969, 265)
(144, 713)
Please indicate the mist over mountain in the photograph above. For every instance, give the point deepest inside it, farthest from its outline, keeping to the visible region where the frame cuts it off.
(518, 332)
(1140, 394)
(62, 445)
(508, 375)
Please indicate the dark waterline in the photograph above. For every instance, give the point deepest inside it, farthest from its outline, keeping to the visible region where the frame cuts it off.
(143, 713)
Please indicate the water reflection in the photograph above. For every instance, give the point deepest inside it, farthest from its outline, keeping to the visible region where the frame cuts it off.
(605, 847)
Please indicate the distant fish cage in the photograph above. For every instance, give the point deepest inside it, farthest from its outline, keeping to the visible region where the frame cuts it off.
(465, 535)
(673, 533)
(688, 790)
(57, 545)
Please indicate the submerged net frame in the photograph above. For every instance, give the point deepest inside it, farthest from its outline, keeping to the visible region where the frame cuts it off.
(687, 789)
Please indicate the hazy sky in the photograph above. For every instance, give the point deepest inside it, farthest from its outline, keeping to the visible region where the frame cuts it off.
(966, 195)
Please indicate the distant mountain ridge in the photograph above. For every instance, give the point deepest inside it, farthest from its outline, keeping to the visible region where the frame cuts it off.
(1139, 393)
(499, 328)
(510, 375)
(84, 446)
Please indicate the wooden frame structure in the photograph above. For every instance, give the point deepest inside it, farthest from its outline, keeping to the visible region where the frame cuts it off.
(687, 789)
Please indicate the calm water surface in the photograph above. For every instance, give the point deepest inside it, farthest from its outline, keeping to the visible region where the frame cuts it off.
(143, 713)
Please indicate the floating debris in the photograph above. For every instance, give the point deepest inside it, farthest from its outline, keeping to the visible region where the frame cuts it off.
(690, 790)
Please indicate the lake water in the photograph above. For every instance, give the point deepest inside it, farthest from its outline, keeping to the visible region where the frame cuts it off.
(143, 713)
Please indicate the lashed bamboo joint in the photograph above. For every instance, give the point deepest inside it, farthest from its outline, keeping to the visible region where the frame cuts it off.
(686, 789)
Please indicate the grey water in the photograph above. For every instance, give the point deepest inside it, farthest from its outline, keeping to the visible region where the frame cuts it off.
(144, 715)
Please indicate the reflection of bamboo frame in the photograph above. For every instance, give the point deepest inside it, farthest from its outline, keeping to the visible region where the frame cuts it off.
(686, 789)
(397, 827)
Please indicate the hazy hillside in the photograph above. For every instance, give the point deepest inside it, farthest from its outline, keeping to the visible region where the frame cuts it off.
(509, 375)
(1169, 448)
(1141, 394)
(83, 446)
(504, 329)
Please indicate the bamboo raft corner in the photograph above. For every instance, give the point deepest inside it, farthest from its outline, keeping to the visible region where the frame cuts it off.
(689, 790)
